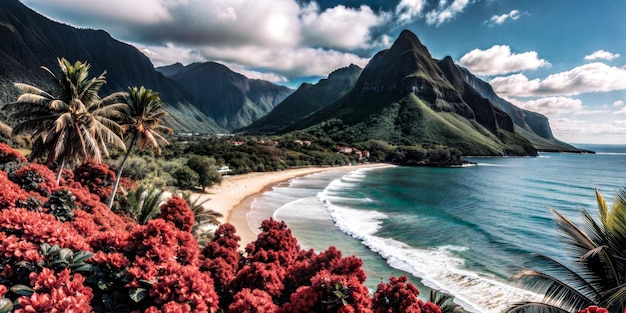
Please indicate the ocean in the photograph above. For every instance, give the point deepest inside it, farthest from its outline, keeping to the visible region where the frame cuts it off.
(464, 231)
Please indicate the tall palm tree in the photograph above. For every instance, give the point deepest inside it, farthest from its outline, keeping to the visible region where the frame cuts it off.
(596, 271)
(69, 123)
(143, 117)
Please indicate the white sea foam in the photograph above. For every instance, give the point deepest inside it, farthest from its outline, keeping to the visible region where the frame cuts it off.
(438, 267)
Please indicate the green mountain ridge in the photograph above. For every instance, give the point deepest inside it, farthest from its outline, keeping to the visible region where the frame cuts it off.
(306, 100)
(404, 97)
(231, 99)
(30, 40)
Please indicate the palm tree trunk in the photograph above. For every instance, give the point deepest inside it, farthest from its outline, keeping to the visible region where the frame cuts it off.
(119, 171)
(60, 171)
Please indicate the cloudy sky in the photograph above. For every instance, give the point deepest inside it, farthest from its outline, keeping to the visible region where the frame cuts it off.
(565, 59)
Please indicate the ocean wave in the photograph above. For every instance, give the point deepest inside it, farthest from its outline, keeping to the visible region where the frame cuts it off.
(439, 267)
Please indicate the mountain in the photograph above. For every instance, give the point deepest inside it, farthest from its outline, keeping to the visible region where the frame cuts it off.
(30, 40)
(306, 100)
(533, 126)
(405, 97)
(231, 99)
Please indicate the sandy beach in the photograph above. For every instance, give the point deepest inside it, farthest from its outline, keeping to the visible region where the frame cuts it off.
(233, 197)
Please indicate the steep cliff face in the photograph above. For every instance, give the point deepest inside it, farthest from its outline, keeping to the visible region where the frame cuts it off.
(30, 41)
(306, 100)
(532, 125)
(404, 96)
(231, 99)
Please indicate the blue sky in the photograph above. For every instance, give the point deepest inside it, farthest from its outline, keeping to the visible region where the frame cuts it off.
(563, 58)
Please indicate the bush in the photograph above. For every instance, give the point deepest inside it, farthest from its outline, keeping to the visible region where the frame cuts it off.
(186, 178)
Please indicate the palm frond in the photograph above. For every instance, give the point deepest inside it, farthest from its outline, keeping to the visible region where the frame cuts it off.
(534, 307)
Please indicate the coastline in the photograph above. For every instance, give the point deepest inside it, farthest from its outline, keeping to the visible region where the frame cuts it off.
(234, 196)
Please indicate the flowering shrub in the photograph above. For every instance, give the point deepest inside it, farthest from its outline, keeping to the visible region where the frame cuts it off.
(97, 177)
(396, 296)
(35, 177)
(8, 155)
(56, 292)
(252, 301)
(11, 195)
(176, 210)
(63, 250)
(595, 309)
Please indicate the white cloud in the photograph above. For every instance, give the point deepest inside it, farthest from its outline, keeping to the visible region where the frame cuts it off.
(602, 55)
(407, 10)
(339, 27)
(621, 111)
(575, 130)
(499, 19)
(592, 77)
(189, 31)
(499, 60)
(446, 12)
(552, 105)
(618, 103)
(287, 61)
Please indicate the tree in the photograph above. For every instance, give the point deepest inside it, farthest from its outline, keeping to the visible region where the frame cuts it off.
(595, 273)
(185, 178)
(71, 123)
(206, 169)
(143, 113)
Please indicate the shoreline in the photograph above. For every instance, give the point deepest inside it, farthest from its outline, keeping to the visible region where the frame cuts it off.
(234, 196)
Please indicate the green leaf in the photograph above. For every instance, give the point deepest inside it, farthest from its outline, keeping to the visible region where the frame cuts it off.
(137, 294)
(5, 305)
(107, 301)
(82, 267)
(22, 290)
(82, 256)
(65, 253)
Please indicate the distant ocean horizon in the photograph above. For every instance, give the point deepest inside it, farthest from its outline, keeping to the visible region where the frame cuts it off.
(464, 231)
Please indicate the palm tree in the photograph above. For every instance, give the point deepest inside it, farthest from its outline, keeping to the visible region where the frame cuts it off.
(144, 203)
(202, 218)
(71, 123)
(143, 113)
(596, 271)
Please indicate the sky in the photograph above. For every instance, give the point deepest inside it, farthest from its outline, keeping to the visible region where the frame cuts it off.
(565, 59)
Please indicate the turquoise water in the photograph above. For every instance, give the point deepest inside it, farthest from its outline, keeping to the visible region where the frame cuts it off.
(463, 230)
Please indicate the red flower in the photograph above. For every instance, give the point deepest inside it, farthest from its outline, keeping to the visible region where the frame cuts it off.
(11, 193)
(595, 309)
(3, 290)
(396, 296)
(7, 154)
(252, 301)
(176, 210)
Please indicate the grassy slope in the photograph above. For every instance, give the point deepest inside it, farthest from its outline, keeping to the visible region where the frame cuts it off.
(411, 121)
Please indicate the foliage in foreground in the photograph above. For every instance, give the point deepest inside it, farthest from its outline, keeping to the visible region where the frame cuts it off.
(594, 272)
(64, 250)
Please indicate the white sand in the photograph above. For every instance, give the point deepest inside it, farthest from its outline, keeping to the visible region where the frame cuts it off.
(235, 194)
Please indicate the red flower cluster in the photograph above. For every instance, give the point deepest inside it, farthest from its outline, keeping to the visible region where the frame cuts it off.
(176, 210)
(7, 154)
(97, 177)
(36, 177)
(12, 195)
(56, 292)
(400, 296)
(595, 309)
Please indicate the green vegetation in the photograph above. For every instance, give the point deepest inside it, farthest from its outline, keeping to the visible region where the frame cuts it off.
(142, 114)
(595, 271)
(71, 124)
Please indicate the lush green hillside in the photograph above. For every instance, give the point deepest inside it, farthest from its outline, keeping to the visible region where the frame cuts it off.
(306, 100)
(30, 41)
(405, 97)
(231, 99)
